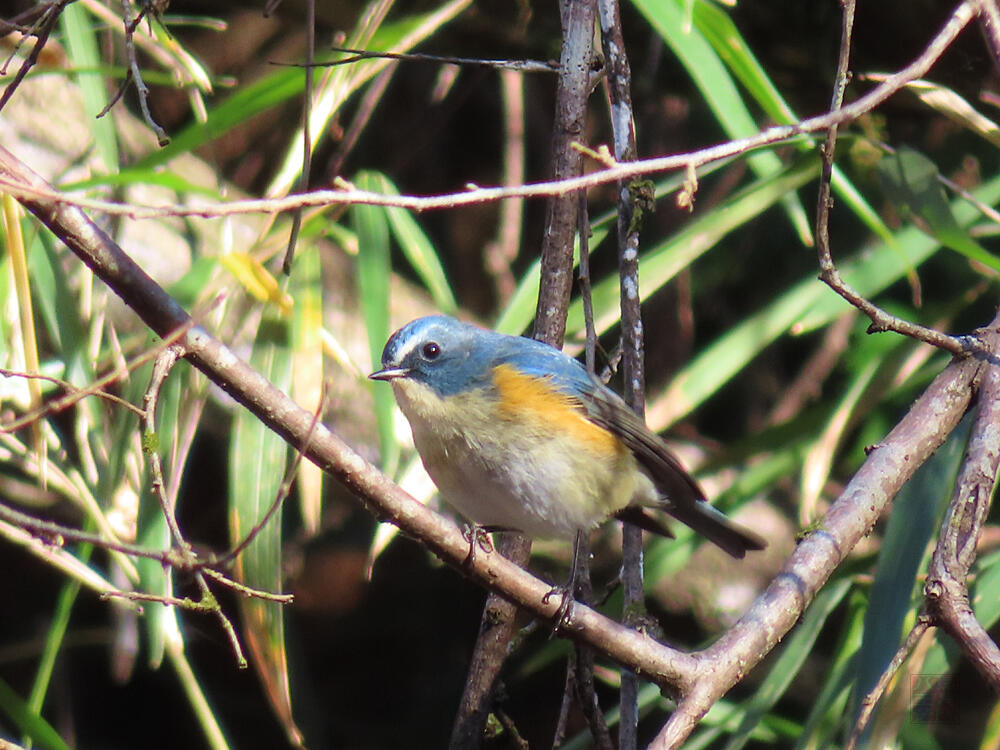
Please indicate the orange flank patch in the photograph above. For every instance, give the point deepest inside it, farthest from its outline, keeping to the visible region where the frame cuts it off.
(535, 400)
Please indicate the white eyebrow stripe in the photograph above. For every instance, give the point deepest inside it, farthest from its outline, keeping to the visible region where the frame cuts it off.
(410, 344)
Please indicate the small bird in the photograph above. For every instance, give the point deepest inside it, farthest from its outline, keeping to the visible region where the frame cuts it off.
(519, 436)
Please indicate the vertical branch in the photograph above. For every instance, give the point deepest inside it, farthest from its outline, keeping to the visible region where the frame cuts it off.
(881, 320)
(498, 625)
(947, 591)
(582, 664)
(619, 82)
(560, 219)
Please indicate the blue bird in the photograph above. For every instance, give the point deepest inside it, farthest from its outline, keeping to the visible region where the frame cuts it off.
(519, 436)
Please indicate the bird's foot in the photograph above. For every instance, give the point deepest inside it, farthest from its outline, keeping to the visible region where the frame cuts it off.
(476, 536)
(564, 614)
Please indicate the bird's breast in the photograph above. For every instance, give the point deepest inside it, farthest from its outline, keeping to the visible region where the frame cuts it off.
(520, 455)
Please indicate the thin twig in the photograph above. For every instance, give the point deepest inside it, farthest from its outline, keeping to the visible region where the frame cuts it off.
(989, 22)
(245, 590)
(71, 389)
(584, 280)
(211, 605)
(586, 693)
(881, 320)
(283, 490)
(561, 211)
(57, 534)
(501, 252)
(700, 678)
(565, 703)
(808, 384)
(162, 365)
(96, 388)
(181, 550)
(498, 627)
(874, 695)
(51, 552)
(41, 28)
(366, 107)
(885, 470)
(131, 24)
(985, 209)
(348, 195)
(520, 66)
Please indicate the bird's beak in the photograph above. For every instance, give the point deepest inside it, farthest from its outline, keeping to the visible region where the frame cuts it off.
(390, 373)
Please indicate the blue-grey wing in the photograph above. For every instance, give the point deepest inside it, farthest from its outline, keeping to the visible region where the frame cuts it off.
(682, 498)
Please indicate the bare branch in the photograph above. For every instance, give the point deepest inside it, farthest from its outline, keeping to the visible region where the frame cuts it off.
(922, 625)
(881, 320)
(930, 420)
(947, 589)
(348, 195)
(497, 627)
(633, 199)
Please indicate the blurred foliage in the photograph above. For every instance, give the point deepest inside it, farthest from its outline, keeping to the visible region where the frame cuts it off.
(769, 381)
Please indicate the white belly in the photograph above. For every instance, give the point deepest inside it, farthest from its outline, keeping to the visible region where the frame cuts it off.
(511, 476)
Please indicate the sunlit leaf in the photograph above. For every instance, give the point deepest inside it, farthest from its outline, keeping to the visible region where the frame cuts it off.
(29, 723)
(81, 45)
(790, 660)
(371, 225)
(256, 280)
(952, 105)
(719, 92)
(417, 248)
(307, 371)
(806, 306)
(912, 181)
(257, 463)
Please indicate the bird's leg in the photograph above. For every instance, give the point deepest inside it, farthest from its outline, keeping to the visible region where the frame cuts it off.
(476, 536)
(568, 590)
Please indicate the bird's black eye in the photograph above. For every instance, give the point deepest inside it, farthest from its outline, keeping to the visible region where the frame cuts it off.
(431, 350)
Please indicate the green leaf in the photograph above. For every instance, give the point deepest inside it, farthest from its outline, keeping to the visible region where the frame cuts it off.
(134, 176)
(895, 592)
(719, 92)
(81, 46)
(661, 263)
(257, 463)
(829, 710)
(54, 639)
(807, 306)
(520, 310)
(797, 648)
(720, 31)
(29, 724)
(160, 623)
(371, 225)
(248, 101)
(306, 288)
(912, 183)
(417, 248)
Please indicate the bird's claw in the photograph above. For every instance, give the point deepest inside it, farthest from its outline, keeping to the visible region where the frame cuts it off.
(476, 536)
(564, 614)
